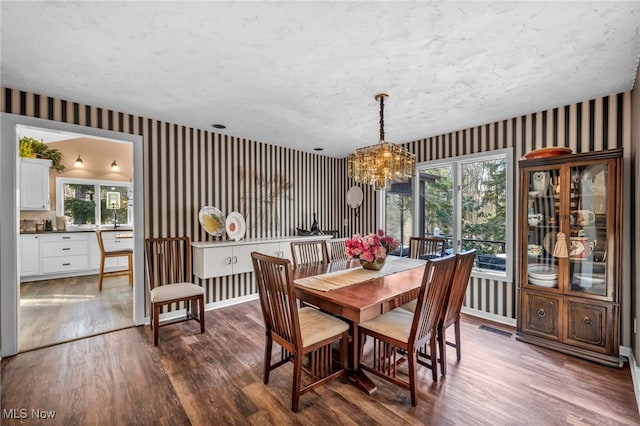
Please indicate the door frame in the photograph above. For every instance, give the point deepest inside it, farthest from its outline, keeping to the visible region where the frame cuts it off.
(10, 220)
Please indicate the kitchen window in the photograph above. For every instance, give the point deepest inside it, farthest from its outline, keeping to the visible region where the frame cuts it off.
(84, 202)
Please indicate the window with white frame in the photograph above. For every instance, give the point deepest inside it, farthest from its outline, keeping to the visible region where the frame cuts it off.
(468, 201)
(88, 202)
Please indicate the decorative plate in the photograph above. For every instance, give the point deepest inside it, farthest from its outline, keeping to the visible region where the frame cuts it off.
(553, 151)
(534, 250)
(549, 241)
(354, 196)
(236, 226)
(212, 220)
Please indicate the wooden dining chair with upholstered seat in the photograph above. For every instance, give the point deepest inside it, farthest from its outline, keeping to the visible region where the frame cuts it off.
(337, 249)
(108, 254)
(398, 335)
(427, 247)
(169, 280)
(309, 252)
(451, 312)
(300, 332)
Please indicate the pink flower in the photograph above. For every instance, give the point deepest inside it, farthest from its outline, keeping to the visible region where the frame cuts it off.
(370, 247)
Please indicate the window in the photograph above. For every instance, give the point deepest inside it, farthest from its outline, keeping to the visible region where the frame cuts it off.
(468, 201)
(77, 200)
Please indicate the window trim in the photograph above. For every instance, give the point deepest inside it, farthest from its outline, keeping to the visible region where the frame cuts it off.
(97, 183)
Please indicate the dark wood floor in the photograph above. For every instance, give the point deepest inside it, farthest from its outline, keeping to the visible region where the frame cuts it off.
(60, 310)
(215, 378)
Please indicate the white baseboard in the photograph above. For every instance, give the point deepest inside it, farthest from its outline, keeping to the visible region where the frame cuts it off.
(491, 317)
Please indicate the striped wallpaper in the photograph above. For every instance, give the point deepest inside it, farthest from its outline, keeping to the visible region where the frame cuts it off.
(187, 168)
(594, 125)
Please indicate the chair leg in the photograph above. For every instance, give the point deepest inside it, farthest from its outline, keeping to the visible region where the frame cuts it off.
(102, 259)
(413, 374)
(156, 319)
(434, 357)
(442, 348)
(130, 256)
(343, 356)
(297, 379)
(201, 305)
(458, 346)
(268, 346)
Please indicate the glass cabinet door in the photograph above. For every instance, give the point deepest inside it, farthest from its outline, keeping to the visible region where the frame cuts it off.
(543, 215)
(588, 228)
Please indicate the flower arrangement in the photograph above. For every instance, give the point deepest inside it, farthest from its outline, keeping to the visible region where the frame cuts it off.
(370, 248)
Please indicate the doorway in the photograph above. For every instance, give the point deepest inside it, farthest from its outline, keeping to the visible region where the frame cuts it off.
(10, 289)
(59, 295)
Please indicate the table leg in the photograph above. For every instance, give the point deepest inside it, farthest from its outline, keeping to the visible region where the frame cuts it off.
(357, 377)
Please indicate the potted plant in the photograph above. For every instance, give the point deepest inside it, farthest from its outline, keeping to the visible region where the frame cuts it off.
(33, 148)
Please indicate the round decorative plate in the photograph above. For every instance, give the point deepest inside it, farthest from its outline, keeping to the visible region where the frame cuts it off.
(534, 250)
(236, 226)
(547, 152)
(354, 196)
(212, 220)
(549, 241)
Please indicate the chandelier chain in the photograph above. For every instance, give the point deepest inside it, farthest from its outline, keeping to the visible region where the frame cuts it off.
(381, 118)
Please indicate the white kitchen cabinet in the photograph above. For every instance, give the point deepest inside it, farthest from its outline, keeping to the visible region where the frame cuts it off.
(34, 184)
(64, 252)
(29, 255)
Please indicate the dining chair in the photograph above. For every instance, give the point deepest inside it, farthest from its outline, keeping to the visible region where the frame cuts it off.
(422, 248)
(337, 249)
(427, 247)
(309, 252)
(169, 280)
(451, 312)
(300, 332)
(398, 335)
(108, 254)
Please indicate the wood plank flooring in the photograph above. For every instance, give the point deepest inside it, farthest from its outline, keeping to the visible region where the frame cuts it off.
(60, 310)
(119, 378)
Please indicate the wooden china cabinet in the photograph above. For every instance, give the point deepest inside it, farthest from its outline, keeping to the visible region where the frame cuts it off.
(569, 288)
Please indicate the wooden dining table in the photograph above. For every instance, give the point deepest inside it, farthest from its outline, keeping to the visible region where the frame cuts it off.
(360, 301)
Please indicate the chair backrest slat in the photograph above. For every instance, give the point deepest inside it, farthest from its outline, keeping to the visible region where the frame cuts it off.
(427, 247)
(277, 298)
(436, 282)
(460, 281)
(168, 261)
(337, 249)
(309, 252)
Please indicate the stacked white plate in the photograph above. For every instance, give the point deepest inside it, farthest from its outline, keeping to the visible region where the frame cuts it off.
(543, 275)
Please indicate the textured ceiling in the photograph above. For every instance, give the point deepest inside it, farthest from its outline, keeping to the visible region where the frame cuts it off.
(304, 74)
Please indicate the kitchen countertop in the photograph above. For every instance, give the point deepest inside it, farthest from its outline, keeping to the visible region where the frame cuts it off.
(109, 229)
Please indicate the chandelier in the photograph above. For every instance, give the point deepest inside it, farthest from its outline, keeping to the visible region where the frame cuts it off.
(382, 164)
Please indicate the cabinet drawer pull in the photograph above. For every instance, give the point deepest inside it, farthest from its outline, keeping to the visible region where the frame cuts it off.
(66, 248)
(235, 259)
(587, 321)
(541, 312)
(66, 264)
(229, 261)
(66, 238)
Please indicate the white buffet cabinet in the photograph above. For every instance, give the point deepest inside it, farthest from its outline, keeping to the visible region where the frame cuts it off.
(220, 258)
(48, 255)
